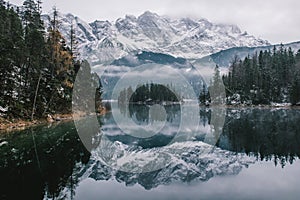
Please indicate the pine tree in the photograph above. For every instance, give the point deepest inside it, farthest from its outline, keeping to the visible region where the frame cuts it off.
(204, 95)
(35, 56)
(37, 72)
(265, 78)
(87, 89)
(60, 74)
(295, 81)
(12, 46)
(73, 43)
(217, 88)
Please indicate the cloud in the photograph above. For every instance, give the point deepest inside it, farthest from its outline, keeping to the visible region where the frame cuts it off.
(273, 20)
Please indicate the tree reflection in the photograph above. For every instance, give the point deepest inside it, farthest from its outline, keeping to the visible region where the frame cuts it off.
(49, 162)
(41, 162)
(267, 134)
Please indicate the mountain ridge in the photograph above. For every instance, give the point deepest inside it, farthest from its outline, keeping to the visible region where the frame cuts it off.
(224, 58)
(103, 41)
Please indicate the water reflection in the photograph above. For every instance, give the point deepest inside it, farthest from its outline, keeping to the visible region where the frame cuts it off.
(41, 162)
(267, 134)
(50, 162)
(140, 115)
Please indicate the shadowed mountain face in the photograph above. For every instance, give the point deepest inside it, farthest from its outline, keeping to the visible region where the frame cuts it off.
(146, 67)
(144, 57)
(225, 57)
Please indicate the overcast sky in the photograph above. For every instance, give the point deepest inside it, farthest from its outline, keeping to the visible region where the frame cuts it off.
(274, 20)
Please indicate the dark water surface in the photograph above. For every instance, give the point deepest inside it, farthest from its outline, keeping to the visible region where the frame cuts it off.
(233, 153)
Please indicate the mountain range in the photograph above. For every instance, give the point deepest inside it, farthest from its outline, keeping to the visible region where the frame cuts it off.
(103, 41)
(185, 162)
(193, 47)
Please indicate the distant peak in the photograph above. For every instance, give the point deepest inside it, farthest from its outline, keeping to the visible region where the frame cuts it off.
(130, 17)
(148, 13)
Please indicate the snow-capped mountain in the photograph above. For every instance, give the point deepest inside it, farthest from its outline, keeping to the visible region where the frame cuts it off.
(186, 163)
(104, 41)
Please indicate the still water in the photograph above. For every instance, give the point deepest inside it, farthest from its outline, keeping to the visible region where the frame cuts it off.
(229, 153)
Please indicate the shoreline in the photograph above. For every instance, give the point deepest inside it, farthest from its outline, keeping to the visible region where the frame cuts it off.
(253, 106)
(7, 126)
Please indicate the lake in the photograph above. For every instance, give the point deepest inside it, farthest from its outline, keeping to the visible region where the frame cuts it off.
(157, 152)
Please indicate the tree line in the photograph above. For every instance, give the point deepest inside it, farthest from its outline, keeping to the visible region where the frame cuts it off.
(37, 67)
(148, 93)
(270, 76)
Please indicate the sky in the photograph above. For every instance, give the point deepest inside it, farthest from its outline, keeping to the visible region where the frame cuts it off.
(274, 20)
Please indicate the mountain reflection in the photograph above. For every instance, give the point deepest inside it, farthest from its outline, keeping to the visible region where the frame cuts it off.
(50, 162)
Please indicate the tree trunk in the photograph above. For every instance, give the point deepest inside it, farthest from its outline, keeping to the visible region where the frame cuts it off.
(35, 96)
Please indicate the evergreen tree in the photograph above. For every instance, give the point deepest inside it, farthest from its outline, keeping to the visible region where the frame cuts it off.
(149, 93)
(216, 88)
(35, 56)
(204, 95)
(264, 78)
(37, 69)
(73, 42)
(60, 73)
(12, 47)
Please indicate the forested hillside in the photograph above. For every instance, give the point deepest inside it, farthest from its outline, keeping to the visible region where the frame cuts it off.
(37, 68)
(265, 78)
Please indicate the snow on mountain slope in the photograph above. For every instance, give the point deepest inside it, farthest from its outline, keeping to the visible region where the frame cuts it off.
(104, 41)
(186, 162)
